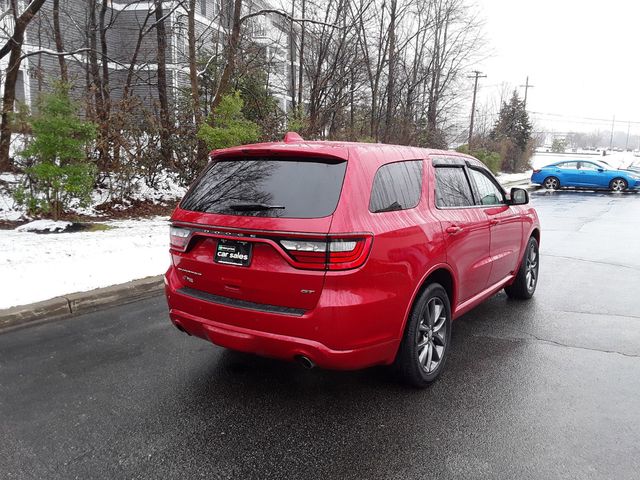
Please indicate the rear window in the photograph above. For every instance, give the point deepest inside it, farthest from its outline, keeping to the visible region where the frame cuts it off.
(267, 187)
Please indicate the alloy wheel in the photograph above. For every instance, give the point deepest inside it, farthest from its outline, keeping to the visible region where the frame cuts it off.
(531, 268)
(551, 183)
(618, 185)
(431, 340)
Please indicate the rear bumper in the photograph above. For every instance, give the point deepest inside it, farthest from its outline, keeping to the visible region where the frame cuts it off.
(280, 346)
(277, 335)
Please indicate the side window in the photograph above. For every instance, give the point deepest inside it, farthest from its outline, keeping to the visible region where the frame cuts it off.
(396, 186)
(589, 166)
(567, 165)
(452, 188)
(488, 192)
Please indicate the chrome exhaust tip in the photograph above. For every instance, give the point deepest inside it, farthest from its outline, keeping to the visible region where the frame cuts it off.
(181, 328)
(306, 362)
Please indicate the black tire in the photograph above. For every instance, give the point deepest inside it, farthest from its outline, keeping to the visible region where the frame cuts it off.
(416, 369)
(618, 185)
(524, 286)
(551, 183)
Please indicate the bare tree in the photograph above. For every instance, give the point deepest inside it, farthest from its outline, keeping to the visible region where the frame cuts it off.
(163, 95)
(13, 46)
(64, 75)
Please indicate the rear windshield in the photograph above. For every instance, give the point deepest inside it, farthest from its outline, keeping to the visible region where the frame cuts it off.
(267, 187)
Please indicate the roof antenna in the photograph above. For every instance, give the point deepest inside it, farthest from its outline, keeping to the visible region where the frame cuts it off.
(292, 137)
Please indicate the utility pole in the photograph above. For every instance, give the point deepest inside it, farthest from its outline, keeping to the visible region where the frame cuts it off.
(613, 125)
(526, 87)
(476, 75)
(628, 132)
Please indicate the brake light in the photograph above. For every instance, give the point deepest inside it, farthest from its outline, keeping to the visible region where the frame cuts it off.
(331, 254)
(536, 171)
(179, 238)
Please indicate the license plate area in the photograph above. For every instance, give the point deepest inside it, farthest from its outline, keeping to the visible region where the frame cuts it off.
(233, 252)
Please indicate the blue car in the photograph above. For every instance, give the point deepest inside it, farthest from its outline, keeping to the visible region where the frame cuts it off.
(585, 174)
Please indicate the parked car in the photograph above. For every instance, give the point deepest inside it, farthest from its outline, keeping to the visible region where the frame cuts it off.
(585, 174)
(634, 168)
(345, 255)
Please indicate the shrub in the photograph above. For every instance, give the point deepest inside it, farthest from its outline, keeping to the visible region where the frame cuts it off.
(58, 172)
(227, 126)
(491, 159)
(559, 145)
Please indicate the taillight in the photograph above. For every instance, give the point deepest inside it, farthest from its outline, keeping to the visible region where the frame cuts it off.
(179, 238)
(536, 171)
(332, 254)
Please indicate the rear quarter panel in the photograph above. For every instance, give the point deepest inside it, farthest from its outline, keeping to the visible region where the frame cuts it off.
(405, 244)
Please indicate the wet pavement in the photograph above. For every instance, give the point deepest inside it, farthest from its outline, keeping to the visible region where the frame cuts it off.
(543, 389)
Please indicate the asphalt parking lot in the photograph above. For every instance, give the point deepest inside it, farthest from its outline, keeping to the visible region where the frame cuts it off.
(543, 389)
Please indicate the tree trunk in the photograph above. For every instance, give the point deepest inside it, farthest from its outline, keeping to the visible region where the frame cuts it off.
(193, 74)
(193, 66)
(57, 33)
(163, 97)
(232, 49)
(292, 56)
(392, 71)
(105, 123)
(13, 47)
(134, 58)
(104, 58)
(8, 100)
(301, 57)
(96, 87)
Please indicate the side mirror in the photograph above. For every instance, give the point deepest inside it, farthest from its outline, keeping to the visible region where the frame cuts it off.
(601, 170)
(519, 196)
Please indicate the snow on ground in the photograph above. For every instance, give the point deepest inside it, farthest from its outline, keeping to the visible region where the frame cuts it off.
(36, 267)
(8, 208)
(505, 178)
(167, 190)
(44, 226)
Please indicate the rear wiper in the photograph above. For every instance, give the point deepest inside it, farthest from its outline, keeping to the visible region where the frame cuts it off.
(251, 207)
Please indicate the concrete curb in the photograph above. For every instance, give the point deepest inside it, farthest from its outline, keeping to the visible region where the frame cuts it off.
(520, 184)
(81, 302)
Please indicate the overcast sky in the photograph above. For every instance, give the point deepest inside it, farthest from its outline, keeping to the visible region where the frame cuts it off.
(582, 56)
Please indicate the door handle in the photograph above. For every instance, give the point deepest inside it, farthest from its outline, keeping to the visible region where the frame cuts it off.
(454, 229)
(493, 222)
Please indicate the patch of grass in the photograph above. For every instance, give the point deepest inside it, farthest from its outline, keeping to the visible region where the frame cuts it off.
(88, 227)
(98, 227)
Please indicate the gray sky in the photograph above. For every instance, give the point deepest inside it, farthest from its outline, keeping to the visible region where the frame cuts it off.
(581, 55)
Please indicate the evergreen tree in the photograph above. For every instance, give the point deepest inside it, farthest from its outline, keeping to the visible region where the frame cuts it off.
(228, 126)
(59, 172)
(512, 135)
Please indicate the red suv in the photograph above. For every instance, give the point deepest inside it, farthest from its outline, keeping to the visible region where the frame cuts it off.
(345, 255)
